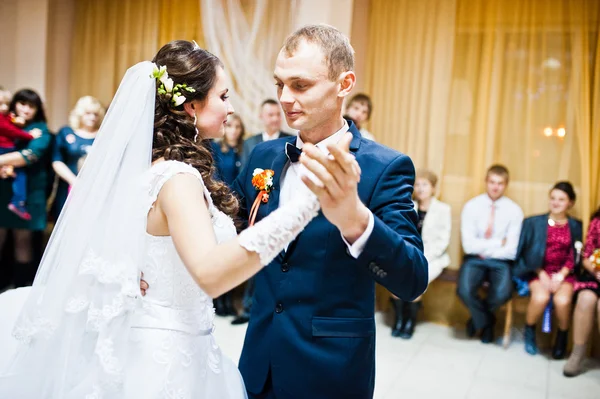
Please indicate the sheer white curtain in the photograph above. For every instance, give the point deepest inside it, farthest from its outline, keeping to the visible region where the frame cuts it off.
(247, 36)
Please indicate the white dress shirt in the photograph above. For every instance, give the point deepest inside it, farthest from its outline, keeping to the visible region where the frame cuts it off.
(475, 218)
(266, 137)
(291, 185)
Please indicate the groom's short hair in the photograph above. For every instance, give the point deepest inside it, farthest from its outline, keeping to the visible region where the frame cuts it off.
(338, 52)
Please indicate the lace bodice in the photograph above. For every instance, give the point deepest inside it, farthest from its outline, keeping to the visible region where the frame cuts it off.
(174, 295)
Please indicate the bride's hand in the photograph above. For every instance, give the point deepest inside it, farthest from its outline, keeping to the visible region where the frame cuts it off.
(143, 285)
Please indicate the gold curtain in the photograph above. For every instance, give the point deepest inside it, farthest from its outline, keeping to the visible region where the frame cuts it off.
(585, 97)
(461, 85)
(112, 35)
(409, 62)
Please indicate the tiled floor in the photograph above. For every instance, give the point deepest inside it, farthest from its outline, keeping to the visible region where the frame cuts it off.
(440, 363)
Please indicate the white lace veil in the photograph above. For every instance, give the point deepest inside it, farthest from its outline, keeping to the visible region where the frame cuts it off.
(74, 326)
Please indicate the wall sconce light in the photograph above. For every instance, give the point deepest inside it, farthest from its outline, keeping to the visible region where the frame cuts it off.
(560, 132)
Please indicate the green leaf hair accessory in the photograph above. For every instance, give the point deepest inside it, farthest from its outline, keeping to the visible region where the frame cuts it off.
(166, 87)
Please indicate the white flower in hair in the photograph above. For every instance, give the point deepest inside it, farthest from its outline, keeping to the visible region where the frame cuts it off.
(178, 100)
(159, 72)
(168, 83)
(166, 87)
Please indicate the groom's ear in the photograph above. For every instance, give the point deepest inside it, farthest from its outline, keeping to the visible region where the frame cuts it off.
(190, 108)
(347, 80)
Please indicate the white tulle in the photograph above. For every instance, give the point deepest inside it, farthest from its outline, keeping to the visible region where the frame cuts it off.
(74, 326)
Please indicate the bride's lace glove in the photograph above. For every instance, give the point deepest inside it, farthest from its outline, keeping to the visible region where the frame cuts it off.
(273, 233)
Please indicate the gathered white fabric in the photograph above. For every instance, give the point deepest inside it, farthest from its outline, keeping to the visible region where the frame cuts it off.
(74, 327)
(272, 234)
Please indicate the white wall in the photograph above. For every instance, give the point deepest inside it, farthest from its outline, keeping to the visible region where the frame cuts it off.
(337, 13)
(23, 32)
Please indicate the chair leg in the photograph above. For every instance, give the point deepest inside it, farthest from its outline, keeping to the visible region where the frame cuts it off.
(508, 324)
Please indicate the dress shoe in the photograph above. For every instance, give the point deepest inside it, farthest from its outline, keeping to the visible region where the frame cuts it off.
(471, 330)
(241, 319)
(399, 319)
(530, 344)
(487, 334)
(408, 329)
(560, 345)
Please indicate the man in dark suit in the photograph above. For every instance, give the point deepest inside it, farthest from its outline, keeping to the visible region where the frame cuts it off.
(270, 115)
(312, 330)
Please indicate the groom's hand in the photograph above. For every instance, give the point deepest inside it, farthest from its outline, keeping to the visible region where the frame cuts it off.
(339, 174)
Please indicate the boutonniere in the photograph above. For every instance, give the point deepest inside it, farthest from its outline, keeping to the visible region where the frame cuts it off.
(262, 180)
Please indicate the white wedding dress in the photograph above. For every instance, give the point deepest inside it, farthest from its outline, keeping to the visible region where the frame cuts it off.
(172, 351)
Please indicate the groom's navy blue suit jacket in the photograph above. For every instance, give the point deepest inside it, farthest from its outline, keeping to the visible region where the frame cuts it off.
(312, 322)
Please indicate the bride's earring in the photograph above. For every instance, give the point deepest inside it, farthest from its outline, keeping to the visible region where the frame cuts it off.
(195, 127)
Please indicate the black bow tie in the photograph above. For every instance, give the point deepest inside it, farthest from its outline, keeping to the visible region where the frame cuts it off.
(293, 153)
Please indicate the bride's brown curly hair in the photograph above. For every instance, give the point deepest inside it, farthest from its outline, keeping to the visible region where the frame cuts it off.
(174, 129)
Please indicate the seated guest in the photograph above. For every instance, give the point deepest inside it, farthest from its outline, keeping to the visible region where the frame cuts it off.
(435, 224)
(270, 116)
(588, 292)
(546, 258)
(490, 227)
(228, 152)
(359, 110)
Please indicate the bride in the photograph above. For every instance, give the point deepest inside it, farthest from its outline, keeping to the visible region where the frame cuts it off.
(146, 200)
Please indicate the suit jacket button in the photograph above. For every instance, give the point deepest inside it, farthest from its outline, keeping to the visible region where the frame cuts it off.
(279, 308)
(285, 267)
(373, 266)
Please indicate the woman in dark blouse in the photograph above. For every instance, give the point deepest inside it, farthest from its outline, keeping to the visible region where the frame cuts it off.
(546, 258)
(228, 152)
(72, 145)
(587, 305)
(31, 156)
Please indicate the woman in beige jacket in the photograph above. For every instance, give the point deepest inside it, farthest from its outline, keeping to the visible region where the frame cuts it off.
(435, 224)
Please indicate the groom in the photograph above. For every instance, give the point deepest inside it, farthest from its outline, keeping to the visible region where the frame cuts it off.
(312, 330)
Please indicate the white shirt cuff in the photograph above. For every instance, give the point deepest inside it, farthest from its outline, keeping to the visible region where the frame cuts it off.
(359, 245)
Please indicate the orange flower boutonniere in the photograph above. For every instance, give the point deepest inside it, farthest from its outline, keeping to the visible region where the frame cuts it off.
(262, 180)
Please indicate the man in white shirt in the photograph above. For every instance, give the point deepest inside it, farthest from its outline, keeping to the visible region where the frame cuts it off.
(490, 229)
